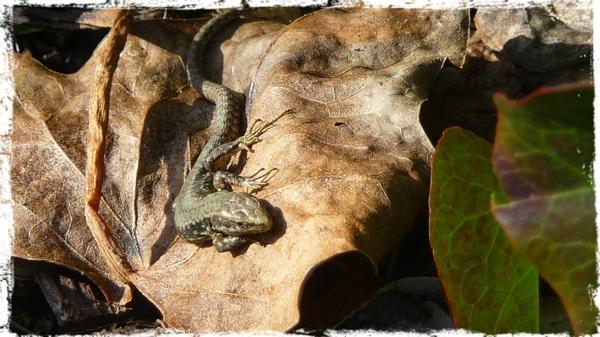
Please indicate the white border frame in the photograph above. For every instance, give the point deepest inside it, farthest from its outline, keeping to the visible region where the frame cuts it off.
(7, 90)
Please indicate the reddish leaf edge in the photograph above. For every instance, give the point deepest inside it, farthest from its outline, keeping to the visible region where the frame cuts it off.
(501, 98)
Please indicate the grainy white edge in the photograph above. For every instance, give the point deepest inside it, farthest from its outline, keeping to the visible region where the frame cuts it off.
(6, 94)
(6, 219)
(211, 4)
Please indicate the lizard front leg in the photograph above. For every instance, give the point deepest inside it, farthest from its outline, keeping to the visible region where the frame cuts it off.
(244, 142)
(224, 243)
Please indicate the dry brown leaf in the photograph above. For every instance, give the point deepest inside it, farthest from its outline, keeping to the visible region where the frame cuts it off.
(353, 159)
(153, 110)
(353, 164)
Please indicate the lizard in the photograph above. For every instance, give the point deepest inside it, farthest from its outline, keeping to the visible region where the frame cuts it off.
(206, 209)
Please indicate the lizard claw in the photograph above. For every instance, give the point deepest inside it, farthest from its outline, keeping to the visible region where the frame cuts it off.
(257, 182)
(253, 186)
(245, 146)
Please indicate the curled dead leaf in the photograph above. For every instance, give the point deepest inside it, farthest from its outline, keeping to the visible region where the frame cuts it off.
(353, 159)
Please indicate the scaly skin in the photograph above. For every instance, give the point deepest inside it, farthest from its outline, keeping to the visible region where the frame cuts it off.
(204, 210)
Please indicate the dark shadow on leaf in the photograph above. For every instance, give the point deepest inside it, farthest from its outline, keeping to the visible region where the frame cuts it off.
(168, 129)
(334, 287)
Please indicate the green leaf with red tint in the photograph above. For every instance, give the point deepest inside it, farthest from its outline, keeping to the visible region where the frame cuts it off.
(542, 156)
(489, 288)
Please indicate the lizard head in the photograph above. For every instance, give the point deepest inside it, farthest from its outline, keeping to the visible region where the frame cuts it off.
(242, 213)
(226, 212)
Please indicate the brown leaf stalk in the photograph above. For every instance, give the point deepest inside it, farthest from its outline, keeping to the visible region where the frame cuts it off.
(98, 125)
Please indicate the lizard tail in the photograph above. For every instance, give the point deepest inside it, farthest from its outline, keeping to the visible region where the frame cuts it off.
(229, 105)
(195, 55)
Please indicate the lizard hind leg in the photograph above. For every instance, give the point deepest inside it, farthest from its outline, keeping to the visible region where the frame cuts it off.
(223, 180)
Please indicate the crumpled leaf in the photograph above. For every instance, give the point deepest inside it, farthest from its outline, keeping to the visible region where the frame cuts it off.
(535, 38)
(489, 287)
(352, 160)
(542, 155)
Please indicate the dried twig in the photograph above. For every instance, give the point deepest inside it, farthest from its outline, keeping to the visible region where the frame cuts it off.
(98, 125)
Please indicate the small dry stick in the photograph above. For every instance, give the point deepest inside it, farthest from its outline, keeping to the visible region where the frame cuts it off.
(97, 129)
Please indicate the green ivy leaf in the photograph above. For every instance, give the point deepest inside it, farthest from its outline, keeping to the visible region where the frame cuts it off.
(542, 156)
(489, 288)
